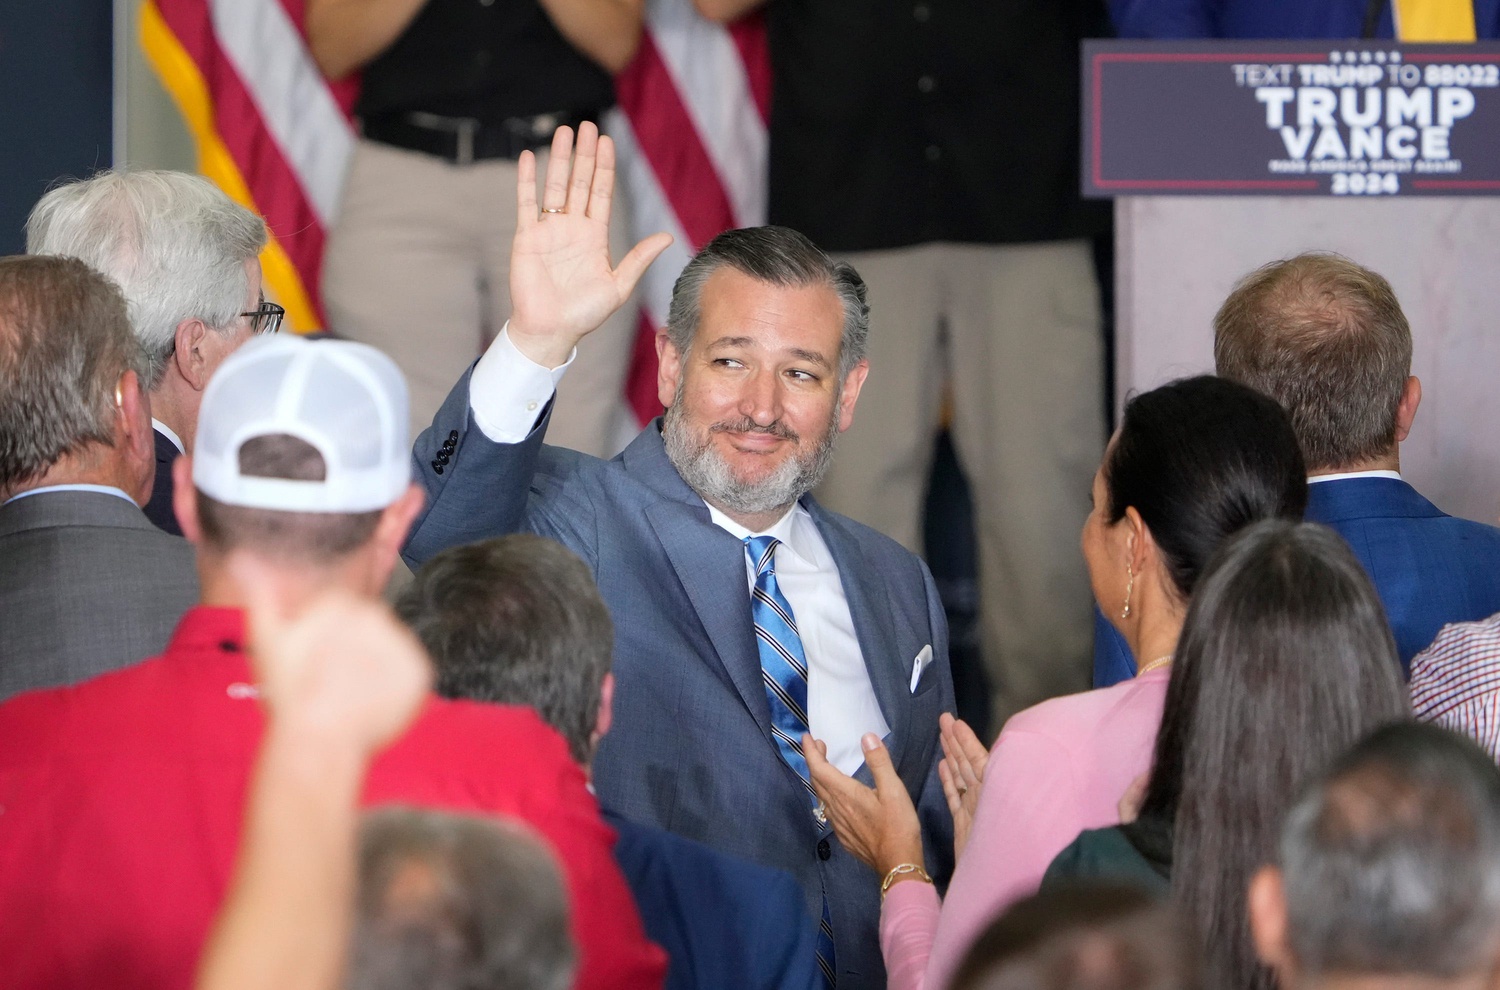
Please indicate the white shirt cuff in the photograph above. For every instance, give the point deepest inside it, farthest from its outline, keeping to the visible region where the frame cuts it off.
(508, 390)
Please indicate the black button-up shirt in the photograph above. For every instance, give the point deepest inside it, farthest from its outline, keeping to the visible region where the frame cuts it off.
(469, 58)
(899, 122)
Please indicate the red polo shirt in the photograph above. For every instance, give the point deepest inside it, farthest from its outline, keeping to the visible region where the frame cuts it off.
(121, 802)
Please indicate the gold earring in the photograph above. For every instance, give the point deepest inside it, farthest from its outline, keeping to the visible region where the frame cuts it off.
(1129, 585)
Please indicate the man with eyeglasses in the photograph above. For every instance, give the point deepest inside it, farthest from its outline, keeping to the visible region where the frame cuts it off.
(187, 258)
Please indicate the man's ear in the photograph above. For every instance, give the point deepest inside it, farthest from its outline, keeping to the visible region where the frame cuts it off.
(392, 529)
(185, 499)
(1266, 902)
(668, 368)
(1406, 409)
(189, 356)
(606, 716)
(134, 436)
(853, 382)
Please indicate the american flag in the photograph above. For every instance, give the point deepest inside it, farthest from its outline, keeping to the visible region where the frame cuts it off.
(277, 137)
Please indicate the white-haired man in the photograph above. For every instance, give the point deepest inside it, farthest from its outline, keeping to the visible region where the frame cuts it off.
(187, 258)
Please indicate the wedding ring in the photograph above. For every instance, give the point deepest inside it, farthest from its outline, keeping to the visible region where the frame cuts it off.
(548, 209)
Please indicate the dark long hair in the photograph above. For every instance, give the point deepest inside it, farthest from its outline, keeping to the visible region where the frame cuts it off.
(1285, 660)
(1200, 459)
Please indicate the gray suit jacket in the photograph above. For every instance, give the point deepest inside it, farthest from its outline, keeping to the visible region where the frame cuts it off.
(690, 747)
(87, 585)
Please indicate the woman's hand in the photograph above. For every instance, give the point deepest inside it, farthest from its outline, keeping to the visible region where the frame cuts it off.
(878, 826)
(962, 774)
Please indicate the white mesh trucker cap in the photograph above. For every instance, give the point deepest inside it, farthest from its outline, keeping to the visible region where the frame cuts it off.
(347, 400)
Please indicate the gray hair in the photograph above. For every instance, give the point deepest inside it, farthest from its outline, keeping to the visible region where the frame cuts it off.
(454, 902)
(516, 620)
(64, 343)
(173, 242)
(778, 256)
(1327, 339)
(1391, 862)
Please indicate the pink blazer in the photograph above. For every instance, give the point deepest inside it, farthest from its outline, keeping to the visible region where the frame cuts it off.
(1058, 768)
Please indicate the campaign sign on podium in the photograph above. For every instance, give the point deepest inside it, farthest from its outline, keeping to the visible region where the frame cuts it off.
(1290, 118)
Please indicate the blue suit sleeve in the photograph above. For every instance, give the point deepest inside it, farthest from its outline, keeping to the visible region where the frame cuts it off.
(475, 488)
(1113, 661)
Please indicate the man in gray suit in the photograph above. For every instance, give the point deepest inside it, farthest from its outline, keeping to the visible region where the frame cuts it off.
(87, 584)
(745, 613)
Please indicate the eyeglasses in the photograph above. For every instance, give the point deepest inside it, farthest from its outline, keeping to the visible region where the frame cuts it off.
(265, 318)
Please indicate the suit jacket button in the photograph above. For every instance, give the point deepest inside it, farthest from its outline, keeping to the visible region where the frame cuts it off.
(824, 849)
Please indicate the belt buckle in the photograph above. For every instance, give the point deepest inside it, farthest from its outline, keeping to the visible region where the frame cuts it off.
(464, 133)
(463, 130)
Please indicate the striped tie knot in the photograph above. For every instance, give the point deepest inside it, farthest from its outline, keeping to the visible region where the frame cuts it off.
(762, 550)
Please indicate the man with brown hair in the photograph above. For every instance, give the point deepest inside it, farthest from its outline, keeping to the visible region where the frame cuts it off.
(86, 582)
(1327, 339)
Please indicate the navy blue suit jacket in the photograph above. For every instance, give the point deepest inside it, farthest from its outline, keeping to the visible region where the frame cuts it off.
(690, 748)
(1430, 568)
(725, 922)
(159, 509)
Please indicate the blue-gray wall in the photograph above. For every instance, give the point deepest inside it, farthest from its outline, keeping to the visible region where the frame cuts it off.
(56, 72)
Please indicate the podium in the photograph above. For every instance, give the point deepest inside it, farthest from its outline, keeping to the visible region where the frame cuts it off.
(1203, 165)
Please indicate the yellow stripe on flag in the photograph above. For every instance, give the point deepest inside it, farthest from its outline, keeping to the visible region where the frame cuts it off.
(180, 75)
(1434, 20)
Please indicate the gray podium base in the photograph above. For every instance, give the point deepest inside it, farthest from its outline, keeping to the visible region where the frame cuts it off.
(1177, 258)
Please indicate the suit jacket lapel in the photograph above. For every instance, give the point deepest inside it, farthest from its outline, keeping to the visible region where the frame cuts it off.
(871, 608)
(710, 566)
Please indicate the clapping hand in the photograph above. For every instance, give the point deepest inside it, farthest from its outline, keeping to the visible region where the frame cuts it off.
(562, 285)
(962, 774)
(878, 826)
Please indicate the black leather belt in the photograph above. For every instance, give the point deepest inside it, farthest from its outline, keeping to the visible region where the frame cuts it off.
(462, 140)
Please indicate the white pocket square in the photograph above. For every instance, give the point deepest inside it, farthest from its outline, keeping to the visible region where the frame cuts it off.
(923, 661)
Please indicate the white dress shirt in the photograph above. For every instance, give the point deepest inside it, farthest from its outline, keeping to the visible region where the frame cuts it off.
(1346, 475)
(508, 391)
(101, 489)
(841, 703)
(169, 433)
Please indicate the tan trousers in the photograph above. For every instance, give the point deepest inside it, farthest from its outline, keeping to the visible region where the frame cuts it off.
(418, 265)
(1015, 330)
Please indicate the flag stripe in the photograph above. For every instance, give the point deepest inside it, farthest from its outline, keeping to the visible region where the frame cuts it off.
(190, 88)
(295, 105)
(670, 143)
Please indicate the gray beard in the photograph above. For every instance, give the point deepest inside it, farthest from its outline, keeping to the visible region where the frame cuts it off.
(708, 474)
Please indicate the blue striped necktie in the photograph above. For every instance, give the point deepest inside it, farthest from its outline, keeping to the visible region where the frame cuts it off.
(783, 669)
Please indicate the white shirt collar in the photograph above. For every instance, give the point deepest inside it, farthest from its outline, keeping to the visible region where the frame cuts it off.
(1346, 475)
(169, 433)
(101, 489)
(795, 530)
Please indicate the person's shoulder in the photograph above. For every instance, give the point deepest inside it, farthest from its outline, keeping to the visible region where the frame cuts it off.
(1071, 716)
(879, 548)
(481, 747)
(1458, 664)
(41, 722)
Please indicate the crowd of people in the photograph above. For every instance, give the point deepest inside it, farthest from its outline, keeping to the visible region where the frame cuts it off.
(664, 719)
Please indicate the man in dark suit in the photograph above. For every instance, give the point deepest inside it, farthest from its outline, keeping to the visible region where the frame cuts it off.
(745, 613)
(518, 620)
(87, 584)
(1327, 339)
(187, 258)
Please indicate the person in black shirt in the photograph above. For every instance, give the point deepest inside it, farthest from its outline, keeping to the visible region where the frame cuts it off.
(934, 145)
(452, 91)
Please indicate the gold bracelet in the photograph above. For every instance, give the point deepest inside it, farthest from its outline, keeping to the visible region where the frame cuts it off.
(902, 870)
